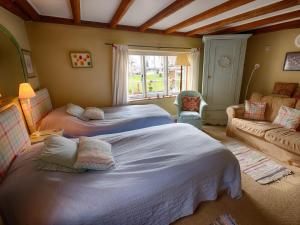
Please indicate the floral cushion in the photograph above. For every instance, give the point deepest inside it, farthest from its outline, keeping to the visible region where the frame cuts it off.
(93, 113)
(94, 154)
(297, 93)
(288, 118)
(284, 89)
(190, 103)
(255, 110)
(13, 137)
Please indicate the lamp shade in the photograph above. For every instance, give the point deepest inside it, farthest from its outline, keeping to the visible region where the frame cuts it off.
(182, 60)
(26, 91)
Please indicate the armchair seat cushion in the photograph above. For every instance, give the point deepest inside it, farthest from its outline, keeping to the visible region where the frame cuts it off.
(190, 115)
(284, 138)
(256, 128)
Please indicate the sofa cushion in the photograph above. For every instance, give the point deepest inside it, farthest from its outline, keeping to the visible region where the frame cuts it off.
(256, 97)
(274, 104)
(256, 128)
(284, 138)
(190, 115)
(288, 118)
(284, 89)
(297, 93)
(255, 110)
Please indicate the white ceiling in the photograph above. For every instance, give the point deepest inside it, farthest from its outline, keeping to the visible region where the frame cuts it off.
(142, 10)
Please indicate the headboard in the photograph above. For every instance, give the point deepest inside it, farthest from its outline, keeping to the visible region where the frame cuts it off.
(13, 136)
(39, 107)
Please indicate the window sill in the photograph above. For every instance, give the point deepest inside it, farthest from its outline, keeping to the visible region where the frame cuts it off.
(151, 98)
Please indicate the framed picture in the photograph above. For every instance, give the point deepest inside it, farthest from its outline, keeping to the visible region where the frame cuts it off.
(292, 61)
(28, 63)
(81, 59)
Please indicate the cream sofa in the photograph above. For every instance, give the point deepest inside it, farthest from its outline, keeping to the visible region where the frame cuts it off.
(274, 140)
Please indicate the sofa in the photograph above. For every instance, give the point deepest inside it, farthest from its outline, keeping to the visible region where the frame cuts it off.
(274, 140)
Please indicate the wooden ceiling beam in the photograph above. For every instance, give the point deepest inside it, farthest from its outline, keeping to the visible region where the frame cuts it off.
(13, 8)
(121, 11)
(281, 26)
(226, 6)
(244, 16)
(172, 8)
(75, 5)
(259, 23)
(28, 9)
(58, 20)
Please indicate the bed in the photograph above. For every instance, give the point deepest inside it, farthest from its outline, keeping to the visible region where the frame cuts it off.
(40, 115)
(162, 173)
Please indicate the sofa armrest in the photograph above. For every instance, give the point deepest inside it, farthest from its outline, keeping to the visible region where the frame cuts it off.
(235, 111)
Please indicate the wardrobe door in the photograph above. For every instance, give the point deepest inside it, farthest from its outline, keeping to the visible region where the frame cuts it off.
(223, 61)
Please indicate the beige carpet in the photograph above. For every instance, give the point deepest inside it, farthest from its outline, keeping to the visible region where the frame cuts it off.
(274, 204)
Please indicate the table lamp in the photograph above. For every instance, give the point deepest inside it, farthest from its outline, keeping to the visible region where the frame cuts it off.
(181, 60)
(26, 92)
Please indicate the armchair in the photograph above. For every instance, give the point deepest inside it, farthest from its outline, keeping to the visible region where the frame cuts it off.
(193, 118)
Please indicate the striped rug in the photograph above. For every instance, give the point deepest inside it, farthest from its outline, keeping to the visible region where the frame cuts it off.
(262, 169)
(224, 219)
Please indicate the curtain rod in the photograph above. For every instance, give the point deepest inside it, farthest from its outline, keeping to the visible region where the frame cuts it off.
(149, 46)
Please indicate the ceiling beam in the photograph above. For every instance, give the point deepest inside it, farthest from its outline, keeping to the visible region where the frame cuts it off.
(28, 9)
(281, 26)
(172, 8)
(75, 5)
(58, 20)
(122, 9)
(244, 16)
(226, 6)
(259, 23)
(13, 8)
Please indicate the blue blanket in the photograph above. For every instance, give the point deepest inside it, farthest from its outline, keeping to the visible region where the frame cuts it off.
(162, 173)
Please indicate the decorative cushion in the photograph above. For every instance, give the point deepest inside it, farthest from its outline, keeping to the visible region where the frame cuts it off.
(58, 152)
(256, 97)
(38, 107)
(297, 93)
(93, 113)
(74, 110)
(94, 154)
(284, 138)
(284, 89)
(256, 128)
(254, 110)
(13, 137)
(288, 118)
(190, 103)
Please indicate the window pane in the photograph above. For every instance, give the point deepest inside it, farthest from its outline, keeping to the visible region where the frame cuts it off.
(135, 77)
(154, 75)
(174, 76)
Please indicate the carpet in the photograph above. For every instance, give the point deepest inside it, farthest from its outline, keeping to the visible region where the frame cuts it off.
(262, 169)
(224, 219)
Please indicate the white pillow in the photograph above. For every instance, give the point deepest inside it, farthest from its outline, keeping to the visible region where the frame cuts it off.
(74, 110)
(93, 113)
(93, 154)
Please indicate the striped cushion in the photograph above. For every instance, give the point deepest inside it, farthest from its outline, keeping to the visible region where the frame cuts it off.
(13, 137)
(39, 107)
(255, 110)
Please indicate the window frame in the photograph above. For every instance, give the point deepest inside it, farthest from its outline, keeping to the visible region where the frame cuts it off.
(144, 53)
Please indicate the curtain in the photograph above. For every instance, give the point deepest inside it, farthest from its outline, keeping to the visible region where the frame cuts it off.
(194, 69)
(119, 74)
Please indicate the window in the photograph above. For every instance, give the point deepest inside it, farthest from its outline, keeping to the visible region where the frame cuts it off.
(154, 76)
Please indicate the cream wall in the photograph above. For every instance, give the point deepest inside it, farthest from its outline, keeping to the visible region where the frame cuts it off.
(269, 51)
(16, 27)
(51, 44)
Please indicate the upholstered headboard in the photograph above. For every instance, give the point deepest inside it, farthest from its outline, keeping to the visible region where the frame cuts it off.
(13, 136)
(38, 107)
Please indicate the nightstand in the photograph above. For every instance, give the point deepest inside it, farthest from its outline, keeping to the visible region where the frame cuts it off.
(34, 138)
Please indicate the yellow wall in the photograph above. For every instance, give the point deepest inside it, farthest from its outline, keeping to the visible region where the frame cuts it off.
(51, 44)
(269, 51)
(17, 28)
